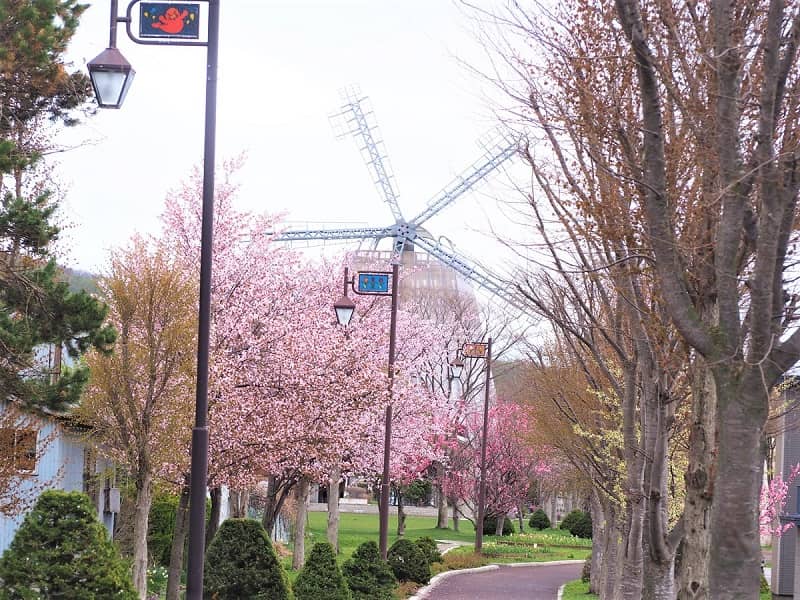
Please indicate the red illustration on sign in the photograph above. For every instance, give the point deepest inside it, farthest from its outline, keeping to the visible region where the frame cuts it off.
(171, 21)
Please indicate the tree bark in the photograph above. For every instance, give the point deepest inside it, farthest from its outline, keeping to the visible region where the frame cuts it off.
(238, 501)
(333, 508)
(498, 528)
(214, 514)
(441, 515)
(178, 545)
(737, 574)
(144, 498)
(454, 504)
(600, 534)
(692, 573)
(401, 514)
(299, 554)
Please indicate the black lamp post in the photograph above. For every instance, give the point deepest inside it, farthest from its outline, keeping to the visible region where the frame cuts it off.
(373, 284)
(111, 77)
(481, 350)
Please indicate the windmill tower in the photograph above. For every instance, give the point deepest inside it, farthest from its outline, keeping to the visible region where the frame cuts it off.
(433, 267)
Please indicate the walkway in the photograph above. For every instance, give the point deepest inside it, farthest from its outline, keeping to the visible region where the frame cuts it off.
(536, 581)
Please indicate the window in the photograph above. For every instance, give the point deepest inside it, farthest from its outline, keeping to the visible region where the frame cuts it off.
(20, 446)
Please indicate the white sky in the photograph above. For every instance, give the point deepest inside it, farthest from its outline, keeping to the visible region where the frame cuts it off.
(281, 66)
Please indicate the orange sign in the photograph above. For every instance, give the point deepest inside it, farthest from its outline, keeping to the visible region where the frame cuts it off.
(475, 350)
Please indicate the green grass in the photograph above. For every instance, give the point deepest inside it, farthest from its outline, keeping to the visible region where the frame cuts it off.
(578, 590)
(533, 546)
(357, 528)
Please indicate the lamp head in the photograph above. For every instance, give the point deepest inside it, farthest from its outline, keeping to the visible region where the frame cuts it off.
(344, 308)
(111, 77)
(457, 367)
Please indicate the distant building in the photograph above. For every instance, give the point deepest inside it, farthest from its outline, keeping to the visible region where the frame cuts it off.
(47, 452)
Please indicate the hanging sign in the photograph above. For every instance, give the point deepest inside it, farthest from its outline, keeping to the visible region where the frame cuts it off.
(169, 20)
(373, 282)
(475, 350)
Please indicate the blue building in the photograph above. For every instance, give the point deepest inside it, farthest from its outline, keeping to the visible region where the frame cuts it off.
(39, 451)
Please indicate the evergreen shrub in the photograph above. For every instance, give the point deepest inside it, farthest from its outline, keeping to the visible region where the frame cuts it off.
(368, 576)
(428, 546)
(578, 523)
(539, 520)
(320, 578)
(490, 525)
(408, 562)
(62, 551)
(241, 563)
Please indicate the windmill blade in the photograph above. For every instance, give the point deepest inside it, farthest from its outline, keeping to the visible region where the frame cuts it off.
(499, 288)
(356, 233)
(494, 156)
(358, 121)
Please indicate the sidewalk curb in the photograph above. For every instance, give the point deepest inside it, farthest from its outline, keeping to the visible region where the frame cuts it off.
(422, 593)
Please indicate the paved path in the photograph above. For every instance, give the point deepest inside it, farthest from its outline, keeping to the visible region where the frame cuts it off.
(519, 582)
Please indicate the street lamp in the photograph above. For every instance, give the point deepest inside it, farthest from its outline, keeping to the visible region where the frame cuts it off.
(481, 350)
(377, 283)
(111, 78)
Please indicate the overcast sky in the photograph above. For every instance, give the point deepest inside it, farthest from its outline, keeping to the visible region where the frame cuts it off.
(282, 65)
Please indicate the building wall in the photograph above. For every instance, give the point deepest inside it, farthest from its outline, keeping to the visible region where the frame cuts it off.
(60, 466)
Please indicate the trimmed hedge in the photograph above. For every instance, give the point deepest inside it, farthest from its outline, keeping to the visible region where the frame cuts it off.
(428, 546)
(408, 562)
(320, 578)
(368, 576)
(539, 520)
(241, 563)
(62, 551)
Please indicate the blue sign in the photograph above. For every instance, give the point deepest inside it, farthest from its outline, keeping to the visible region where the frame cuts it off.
(372, 283)
(169, 20)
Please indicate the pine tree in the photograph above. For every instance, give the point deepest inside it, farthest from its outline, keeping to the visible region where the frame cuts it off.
(36, 306)
(61, 550)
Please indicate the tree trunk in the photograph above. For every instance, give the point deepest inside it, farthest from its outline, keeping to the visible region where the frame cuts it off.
(633, 558)
(213, 518)
(276, 494)
(299, 554)
(609, 573)
(441, 515)
(333, 508)
(692, 572)
(600, 533)
(520, 517)
(238, 502)
(178, 545)
(454, 504)
(144, 498)
(401, 514)
(501, 520)
(735, 557)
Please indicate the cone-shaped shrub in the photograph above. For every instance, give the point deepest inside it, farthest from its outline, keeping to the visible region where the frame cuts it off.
(408, 562)
(368, 576)
(241, 563)
(539, 520)
(62, 551)
(428, 546)
(320, 578)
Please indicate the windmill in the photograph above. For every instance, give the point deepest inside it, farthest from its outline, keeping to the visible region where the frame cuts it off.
(357, 120)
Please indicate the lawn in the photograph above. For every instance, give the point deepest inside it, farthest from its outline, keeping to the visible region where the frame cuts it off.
(578, 590)
(535, 546)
